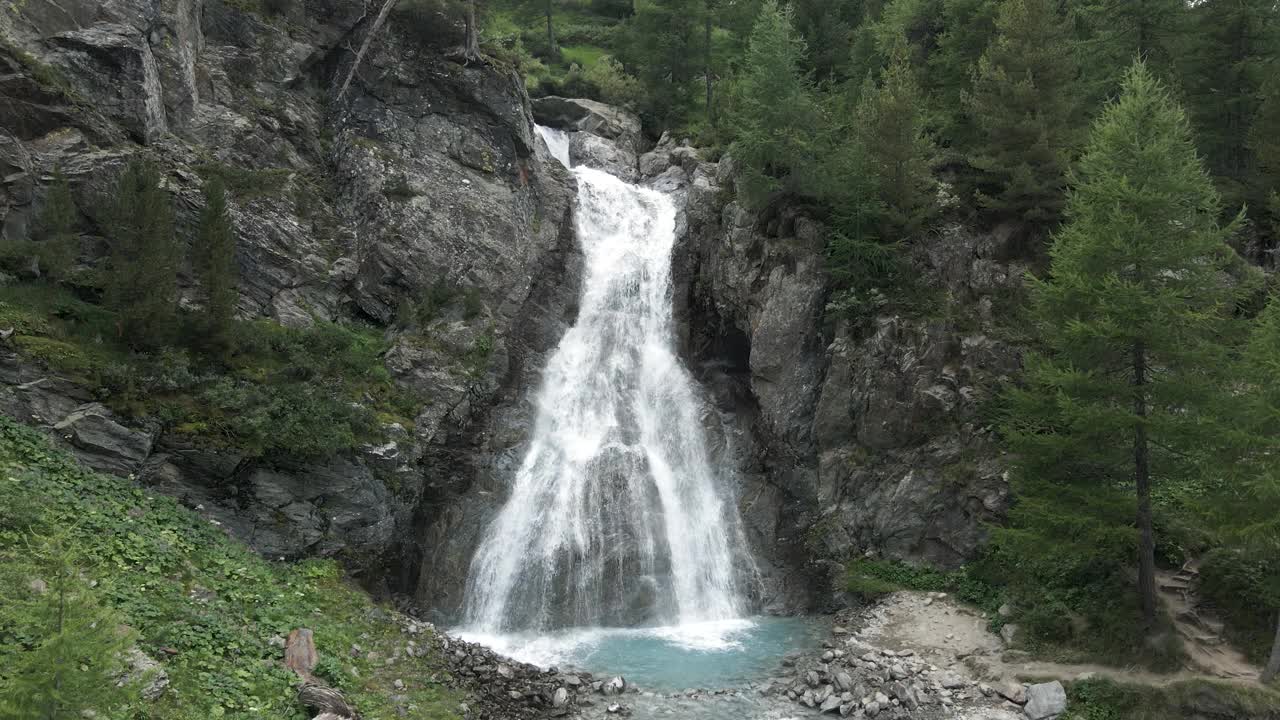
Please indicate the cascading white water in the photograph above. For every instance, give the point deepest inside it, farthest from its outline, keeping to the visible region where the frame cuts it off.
(616, 516)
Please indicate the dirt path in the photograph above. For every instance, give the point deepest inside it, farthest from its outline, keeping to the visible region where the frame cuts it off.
(954, 636)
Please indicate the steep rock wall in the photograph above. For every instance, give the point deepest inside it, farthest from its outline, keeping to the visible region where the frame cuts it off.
(427, 173)
(851, 439)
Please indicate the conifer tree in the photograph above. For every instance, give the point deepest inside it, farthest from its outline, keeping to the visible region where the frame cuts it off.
(1132, 317)
(55, 230)
(74, 648)
(665, 47)
(1118, 31)
(216, 264)
(1264, 142)
(896, 149)
(1251, 514)
(775, 115)
(1224, 66)
(968, 27)
(1025, 107)
(142, 282)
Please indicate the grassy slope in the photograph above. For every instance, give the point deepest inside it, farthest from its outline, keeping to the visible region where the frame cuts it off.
(202, 603)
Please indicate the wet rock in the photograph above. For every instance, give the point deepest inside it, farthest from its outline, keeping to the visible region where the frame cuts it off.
(560, 697)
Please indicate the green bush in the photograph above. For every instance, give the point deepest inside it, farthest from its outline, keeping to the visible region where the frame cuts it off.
(1236, 584)
(870, 579)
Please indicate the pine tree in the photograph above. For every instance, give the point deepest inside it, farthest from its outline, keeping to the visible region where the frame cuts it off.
(1223, 68)
(1118, 31)
(968, 28)
(73, 659)
(1251, 515)
(774, 117)
(665, 49)
(1025, 107)
(1264, 142)
(142, 282)
(1132, 317)
(58, 242)
(897, 151)
(216, 265)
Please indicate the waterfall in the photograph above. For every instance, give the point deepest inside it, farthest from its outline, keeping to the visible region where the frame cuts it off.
(616, 516)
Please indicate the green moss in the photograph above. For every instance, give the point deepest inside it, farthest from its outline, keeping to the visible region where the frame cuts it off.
(202, 604)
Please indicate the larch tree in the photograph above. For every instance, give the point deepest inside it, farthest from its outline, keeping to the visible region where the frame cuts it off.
(1133, 317)
(1224, 66)
(1025, 109)
(59, 244)
(143, 259)
(216, 268)
(897, 151)
(74, 651)
(775, 115)
(1116, 32)
(1251, 513)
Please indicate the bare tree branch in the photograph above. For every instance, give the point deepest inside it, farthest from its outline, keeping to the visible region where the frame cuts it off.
(364, 46)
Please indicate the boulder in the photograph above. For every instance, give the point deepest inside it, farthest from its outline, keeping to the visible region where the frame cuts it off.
(1045, 701)
(105, 444)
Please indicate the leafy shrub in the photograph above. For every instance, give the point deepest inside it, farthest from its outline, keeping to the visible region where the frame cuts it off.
(870, 579)
(613, 83)
(1242, 589)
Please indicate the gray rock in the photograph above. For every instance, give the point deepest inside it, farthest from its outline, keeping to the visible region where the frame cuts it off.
(1012, 691)
(1045, 700)
(1009, 633)
(105, 443)
(830, 705)
(560, 698)
(148, 674)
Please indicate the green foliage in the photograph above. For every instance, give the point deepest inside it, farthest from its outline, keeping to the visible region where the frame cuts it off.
(58, 243)
(1024, 106)
(273, 390)
(889, 124)
(141, 285)
(1231, 50)
(215, 263)
(198, 601)
(613, 83)
(1103, 699)
(1133, 321)
(872, 579)
(774, 114)
(67, 652)
(246, 183)
(1242, 586)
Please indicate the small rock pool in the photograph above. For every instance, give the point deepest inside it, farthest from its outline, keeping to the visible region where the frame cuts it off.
(710, 656)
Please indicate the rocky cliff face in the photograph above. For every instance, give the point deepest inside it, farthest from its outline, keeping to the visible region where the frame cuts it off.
(426, 175)
(851, 439)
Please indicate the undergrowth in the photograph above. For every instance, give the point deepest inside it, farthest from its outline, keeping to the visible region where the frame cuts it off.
(302, 392)
(211, 611)
(1100, 699)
